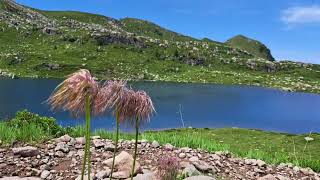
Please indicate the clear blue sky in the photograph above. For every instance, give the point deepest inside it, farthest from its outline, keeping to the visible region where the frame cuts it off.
(290, 28)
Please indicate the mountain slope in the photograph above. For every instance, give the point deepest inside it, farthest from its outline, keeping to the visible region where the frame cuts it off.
(252, 46)
(36, 43)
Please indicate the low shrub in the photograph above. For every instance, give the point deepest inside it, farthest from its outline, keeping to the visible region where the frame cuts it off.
(46, 124)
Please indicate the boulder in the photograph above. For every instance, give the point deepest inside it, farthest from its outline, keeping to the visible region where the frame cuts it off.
(123, 165)
(27, 151)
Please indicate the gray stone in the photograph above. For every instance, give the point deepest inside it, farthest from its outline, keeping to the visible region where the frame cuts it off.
(280, 177)
(168, 147)
(65, 138)
(155, 144)
(193, 159)
(45, 174)
(27, 151)
(20, 178)
(109, 147)
(98, 143)
(147, 176)
(200, 178)
(261, 163)
(202, 166)
(182, 155)
(62, 146)
(190, 170)
(103, 174)
(123, 163)
(85, 177)
(267, 177)
(81, 140)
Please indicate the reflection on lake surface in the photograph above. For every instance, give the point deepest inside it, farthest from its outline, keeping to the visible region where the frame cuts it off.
(201, 105)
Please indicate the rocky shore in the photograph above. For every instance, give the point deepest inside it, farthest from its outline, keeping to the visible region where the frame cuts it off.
(61, 158)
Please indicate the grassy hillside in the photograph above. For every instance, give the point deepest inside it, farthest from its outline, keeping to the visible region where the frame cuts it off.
(145, 28)
(250, 45)
(35, 43)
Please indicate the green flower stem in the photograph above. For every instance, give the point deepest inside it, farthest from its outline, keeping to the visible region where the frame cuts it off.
(135, 147)
(86, 159)
(88, 118)
(116, 142)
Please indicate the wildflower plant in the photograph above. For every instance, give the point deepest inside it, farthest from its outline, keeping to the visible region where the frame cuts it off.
(168, 168)
(141, 107)
(76, 94)
(109, 97)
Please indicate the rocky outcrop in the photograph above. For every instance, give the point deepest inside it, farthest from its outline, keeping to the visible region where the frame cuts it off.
(106, 39)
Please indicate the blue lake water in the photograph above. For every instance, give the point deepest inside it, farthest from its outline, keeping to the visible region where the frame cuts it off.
(201, 105)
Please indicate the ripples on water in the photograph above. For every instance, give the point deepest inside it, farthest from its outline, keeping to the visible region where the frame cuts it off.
(202, 105)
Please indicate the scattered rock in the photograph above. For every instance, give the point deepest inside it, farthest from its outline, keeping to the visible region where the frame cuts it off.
(103, 174)
(81, 140)
(182, 155)
(62, 146)
(45, 174)
(147, 176)
(98, 143)
(168, 147)
(202, 166)
(200, 178)
(123, 164)
(267, 177)
(65, 138)
(27, 151)
(190, 170)
(155, 144)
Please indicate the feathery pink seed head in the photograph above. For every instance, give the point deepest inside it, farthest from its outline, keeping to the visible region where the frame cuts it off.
(71, 93)
(109, 96)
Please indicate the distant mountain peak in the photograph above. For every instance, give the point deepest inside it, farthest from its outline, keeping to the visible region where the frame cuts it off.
(251, 45)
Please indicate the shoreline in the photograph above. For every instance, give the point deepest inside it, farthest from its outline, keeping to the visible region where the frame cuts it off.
(252, 85)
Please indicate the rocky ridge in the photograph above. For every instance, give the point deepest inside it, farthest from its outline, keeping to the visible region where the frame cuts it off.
(61, 158)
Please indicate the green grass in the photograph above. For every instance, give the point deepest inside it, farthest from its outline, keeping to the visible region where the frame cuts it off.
(271, 147)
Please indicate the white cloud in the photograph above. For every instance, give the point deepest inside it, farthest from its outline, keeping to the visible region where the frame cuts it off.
(301, 15)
